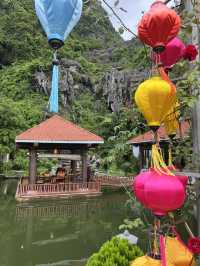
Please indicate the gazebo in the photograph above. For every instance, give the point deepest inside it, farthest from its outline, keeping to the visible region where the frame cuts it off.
(60, 139)
(142, 144)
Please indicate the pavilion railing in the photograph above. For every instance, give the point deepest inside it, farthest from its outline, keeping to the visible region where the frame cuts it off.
(60, 188)
(118, 181)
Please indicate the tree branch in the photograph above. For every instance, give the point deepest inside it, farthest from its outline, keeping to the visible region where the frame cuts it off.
(167, 1)
(120, 20)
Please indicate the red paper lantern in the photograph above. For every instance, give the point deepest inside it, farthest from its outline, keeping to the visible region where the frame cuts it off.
(190, 52)
(158, 26)
(160, 193)
(194, 245)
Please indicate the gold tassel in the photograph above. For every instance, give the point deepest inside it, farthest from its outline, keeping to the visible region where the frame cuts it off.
(157, 161)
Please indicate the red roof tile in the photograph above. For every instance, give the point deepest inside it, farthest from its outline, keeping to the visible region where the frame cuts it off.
(57, 130)
(148, 136)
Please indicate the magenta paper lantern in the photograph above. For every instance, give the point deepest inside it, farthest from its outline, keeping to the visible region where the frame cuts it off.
(138, 186)
(173, 53)
(160, 193)
(183, 179)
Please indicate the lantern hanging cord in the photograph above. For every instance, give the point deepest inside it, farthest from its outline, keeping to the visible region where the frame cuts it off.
(55, 60)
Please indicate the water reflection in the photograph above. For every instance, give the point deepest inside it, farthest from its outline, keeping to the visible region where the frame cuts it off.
(57, 233)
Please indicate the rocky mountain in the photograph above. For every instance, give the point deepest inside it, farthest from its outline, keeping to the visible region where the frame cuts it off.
(94, 59)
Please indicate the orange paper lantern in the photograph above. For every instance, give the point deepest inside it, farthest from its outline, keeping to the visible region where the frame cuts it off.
(158, 26)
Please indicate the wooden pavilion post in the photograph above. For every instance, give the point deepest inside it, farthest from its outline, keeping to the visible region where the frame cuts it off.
(141, 156)
(32, 165)
(73, 167)
(84, 165)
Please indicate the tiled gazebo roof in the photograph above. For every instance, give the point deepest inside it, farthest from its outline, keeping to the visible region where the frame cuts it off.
(58, 130)
(148, 136)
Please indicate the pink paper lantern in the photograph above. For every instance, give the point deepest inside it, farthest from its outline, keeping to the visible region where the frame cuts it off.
(183, 179)
(173, 53)
(160, 193)
(138, 186)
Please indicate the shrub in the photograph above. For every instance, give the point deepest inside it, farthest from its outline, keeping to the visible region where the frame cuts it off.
(116, 252)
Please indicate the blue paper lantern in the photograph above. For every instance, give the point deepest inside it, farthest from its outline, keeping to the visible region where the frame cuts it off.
(58, 18)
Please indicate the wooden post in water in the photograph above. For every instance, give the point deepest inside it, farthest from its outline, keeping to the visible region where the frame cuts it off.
(32, 165)
(84, 165)
(73, 167)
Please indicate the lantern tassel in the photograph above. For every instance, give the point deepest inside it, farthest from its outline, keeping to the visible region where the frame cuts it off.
(54, 86)
(170, 159)
(157, 161)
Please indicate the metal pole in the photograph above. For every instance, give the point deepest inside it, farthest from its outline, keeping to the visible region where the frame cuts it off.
(195, 118)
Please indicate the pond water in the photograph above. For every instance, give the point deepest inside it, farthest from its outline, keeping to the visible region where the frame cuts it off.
(62, 232)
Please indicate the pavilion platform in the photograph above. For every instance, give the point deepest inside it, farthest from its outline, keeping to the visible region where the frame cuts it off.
(68, 144)
(27, 192)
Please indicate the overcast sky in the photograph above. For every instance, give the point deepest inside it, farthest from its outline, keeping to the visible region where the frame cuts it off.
(132, 16)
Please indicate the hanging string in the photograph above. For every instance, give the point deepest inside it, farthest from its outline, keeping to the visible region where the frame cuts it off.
(54, 85)
(170, 161)
(164, 76)
(155, 243)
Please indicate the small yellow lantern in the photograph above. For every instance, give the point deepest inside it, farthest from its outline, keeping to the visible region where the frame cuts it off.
(171, 120)
(154, 98)
(148, 261)
(177, 253)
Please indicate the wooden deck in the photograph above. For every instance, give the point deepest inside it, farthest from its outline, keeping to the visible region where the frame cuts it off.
(59, 190)
(27, 191)
(114, 181)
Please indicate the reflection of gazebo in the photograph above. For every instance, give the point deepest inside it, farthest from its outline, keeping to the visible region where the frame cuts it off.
(61, 139)
(142, 144)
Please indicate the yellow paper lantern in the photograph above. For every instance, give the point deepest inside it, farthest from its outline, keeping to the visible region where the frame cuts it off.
(177, 253)
(154, 98)
(148, 261)
(171, 120)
